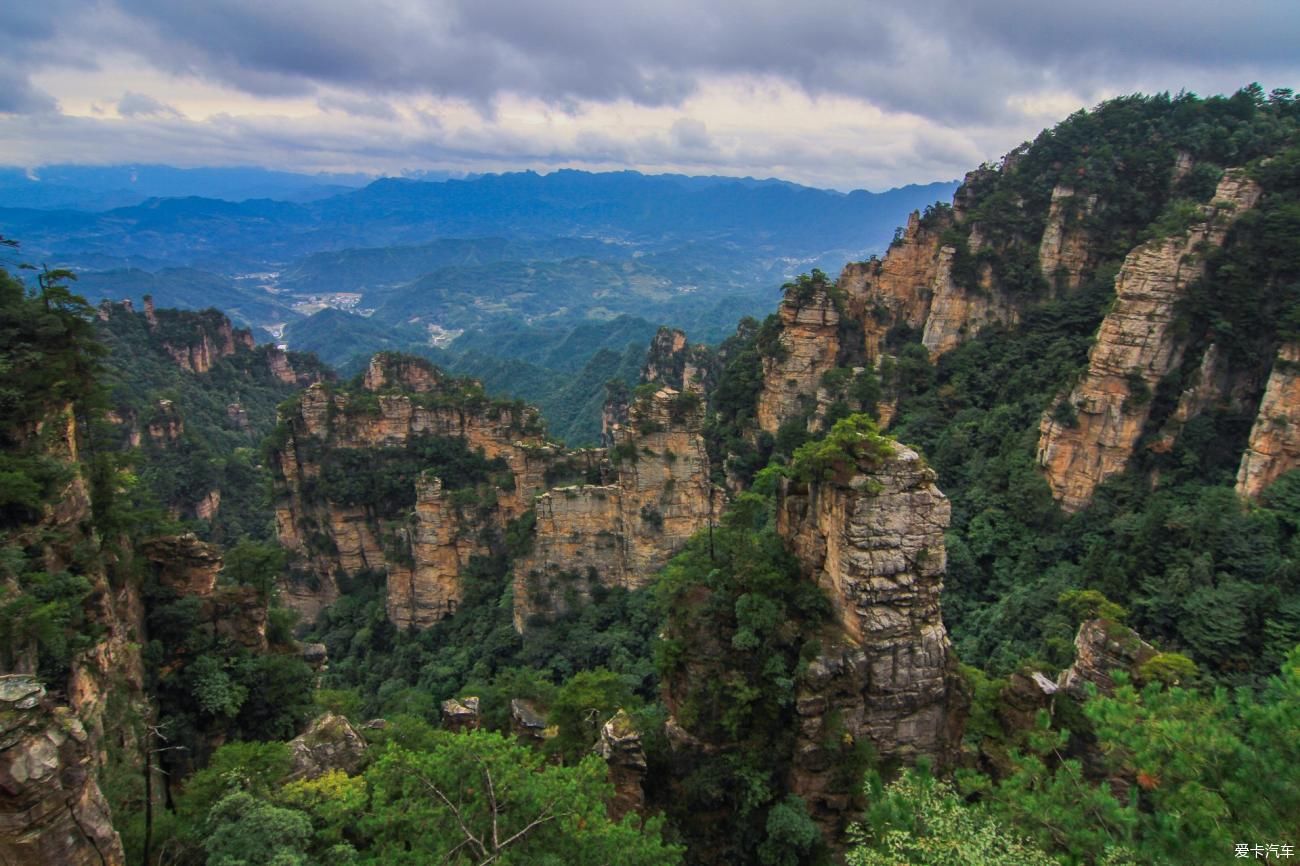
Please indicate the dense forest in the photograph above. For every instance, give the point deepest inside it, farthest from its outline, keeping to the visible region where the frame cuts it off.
(1182, 756)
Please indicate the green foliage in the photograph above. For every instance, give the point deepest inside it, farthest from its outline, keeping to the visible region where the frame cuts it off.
(244, 831)
(218, 449)
(741, 622)
(477, 651)
(1199, 766)
(791, 834)
(734, 399)
(479, 797)
(853, 443)
(919, 820)
(1085, 604)
(383, 479)
(255, 564)
(255, 768)
(46, 612)
(581, 705)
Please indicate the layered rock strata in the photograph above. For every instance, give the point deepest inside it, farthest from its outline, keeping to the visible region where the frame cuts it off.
(1275, 437)
(619, 534)
(874, 541)
(809, 347)
(422, 555)
(620, 747)
(1138, 344)
(51, 810)
(1065, 251)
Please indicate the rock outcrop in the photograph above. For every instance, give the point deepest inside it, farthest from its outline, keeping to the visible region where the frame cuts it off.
(190, 568)
(1137, 345)
(620, 747)
(329, 743)
(196, 341)
(51, 810)
(1065, 253)
(1275, 437)
(184, 563)
(887, 676)
(1100, 648)
(896, 290)
(404, 399)
(427, 588)
(675, 362)
(461, 714)
(590, 537)
(809, 347)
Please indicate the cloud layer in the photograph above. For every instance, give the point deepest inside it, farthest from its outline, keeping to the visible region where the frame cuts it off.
(835, 92)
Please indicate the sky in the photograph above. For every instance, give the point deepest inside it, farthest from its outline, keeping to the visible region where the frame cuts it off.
(834, 93)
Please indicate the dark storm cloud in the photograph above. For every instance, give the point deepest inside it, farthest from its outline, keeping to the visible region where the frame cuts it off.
(953, 60)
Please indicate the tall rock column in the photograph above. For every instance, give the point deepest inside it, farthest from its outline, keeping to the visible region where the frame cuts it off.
(1137, 345)
(809, 347)
(874, 541)
(1275, 437)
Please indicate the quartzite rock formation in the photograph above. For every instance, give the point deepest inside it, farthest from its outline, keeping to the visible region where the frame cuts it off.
(1138, 344)
(621, 533)
(874, 542)
(51, 810)
(1100, 648)
(620, 746)
(329, 743)
(403, 398)
(1275, 439)
(809, 347)
(655, 493)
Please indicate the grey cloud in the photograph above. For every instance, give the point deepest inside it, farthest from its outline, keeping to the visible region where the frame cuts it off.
(142, 105)
(19, 96)
(950, 60)
(359, 107)
(690, 134)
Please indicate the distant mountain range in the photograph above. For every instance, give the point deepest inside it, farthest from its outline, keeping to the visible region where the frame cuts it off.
(473, 271)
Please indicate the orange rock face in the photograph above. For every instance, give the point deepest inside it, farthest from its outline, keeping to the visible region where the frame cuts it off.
(1275, 438)
(810, 345)
(1136, 347)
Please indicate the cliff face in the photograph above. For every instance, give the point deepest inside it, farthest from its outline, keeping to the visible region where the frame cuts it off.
(196, 341)
(1137, 345)
(809, 347)
(51, 808)
(423, 550)
(887, 676)
(620, 533)
(914, 287)
(1065, 252)
(895, 290)
(1275, 438)
(52, 746)
(427, 588)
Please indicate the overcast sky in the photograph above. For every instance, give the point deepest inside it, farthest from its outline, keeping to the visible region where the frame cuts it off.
(837, 93)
